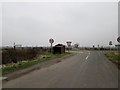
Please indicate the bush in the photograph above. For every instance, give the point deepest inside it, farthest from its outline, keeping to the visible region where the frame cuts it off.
(14, 55)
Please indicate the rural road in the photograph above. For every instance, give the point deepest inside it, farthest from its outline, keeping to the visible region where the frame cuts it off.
(87, 69)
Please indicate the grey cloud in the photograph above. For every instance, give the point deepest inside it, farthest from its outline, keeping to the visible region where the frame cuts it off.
(85, 23)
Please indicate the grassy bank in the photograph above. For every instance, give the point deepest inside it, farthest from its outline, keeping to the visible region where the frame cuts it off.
(9, 68)
(114, 57)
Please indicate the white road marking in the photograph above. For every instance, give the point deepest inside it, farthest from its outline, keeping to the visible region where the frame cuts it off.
(87, 57)
(2, 78)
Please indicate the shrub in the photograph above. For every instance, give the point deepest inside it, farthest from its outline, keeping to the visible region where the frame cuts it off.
(14, 55)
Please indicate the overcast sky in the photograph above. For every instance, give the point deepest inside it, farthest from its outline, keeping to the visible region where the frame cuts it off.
(34, 23)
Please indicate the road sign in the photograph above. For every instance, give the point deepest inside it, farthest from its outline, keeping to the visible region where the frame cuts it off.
(118, 39)
(51, 40)
(69, 43)
(110, 43)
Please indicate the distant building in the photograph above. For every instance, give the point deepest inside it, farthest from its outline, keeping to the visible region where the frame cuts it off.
(59, 49)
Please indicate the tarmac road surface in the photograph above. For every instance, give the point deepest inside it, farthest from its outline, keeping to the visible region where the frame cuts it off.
(87, 69)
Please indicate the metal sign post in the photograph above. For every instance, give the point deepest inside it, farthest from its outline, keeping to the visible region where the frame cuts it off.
(51, 48)
(51, 42)
(110, 43)
(98, 47)
(118, 39)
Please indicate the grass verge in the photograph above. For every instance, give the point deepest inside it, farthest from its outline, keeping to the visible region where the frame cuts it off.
(114, 57)
(9, 68)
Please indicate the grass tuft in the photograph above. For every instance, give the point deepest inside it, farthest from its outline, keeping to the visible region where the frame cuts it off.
(114, 57)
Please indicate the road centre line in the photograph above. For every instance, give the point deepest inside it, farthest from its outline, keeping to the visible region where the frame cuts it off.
(87, 56)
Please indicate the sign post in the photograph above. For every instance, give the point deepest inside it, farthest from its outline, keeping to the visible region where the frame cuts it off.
(110, 43)
(14, 45)
(51, 42)
(98, 47)
(118, 39)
